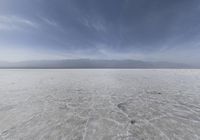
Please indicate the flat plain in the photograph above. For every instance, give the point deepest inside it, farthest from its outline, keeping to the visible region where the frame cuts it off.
(100, 104)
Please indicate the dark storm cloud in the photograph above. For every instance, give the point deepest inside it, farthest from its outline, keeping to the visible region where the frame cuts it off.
(99, 27)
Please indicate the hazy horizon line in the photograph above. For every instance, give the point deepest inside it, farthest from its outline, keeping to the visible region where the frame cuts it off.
(94, 64)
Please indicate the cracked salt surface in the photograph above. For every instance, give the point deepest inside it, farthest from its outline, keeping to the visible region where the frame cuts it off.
(99, 104)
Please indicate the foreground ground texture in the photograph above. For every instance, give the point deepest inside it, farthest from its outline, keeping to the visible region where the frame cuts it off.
(99, 104)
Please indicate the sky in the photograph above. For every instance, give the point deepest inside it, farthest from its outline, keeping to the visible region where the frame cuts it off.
(148, 30)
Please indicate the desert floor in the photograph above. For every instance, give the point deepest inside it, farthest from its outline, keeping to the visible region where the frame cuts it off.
(100, 104)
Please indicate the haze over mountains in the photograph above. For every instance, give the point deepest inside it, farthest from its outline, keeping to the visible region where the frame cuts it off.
(91, 63)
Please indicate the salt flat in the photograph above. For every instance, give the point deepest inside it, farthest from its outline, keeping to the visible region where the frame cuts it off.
(100, 104)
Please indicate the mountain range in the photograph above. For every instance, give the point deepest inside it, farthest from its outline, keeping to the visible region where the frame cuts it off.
(91, 63)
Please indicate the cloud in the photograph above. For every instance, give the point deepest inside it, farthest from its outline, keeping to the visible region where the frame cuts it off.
(16, 23)
(49, 21)
(13, 54)
(96, 24)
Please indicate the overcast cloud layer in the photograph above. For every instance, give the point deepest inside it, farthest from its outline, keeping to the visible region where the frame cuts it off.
(153, 30)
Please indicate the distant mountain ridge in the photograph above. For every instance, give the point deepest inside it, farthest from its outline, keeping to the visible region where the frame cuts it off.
(90, 63)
